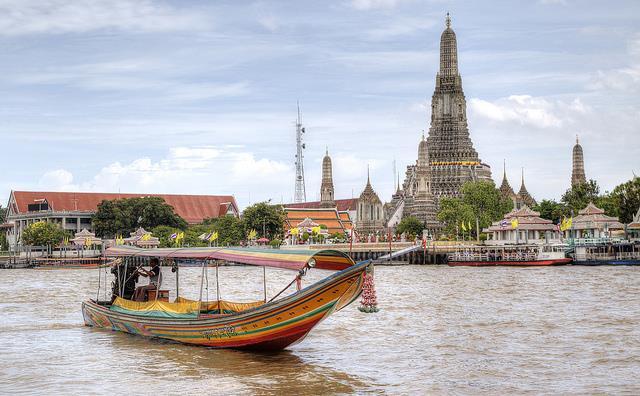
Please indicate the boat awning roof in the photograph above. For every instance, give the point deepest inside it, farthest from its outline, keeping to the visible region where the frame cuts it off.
(278, 258)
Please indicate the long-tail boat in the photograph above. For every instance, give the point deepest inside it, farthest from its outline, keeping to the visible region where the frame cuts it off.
(263, 325)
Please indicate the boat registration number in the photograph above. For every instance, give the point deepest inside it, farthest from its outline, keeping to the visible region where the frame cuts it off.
(220, 332)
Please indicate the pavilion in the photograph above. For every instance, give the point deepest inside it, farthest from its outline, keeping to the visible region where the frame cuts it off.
(522, 226)
(591, 222)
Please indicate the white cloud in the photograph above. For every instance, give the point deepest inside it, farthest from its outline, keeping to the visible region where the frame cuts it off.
(61, 16)
(624, 79)
(57, 180)
(528, 110)
(196, 170)
(376, 4)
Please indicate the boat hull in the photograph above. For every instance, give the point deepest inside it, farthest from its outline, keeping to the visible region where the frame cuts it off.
(273, 326)
(607, 262)
(532, 263)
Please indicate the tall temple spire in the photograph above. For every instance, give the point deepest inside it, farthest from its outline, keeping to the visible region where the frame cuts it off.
(448, 51)
(326, 187)
(449, 142)
(577, 174)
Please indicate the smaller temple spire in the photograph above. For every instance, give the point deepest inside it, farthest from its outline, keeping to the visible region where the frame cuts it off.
(368, 179)
(504, 169)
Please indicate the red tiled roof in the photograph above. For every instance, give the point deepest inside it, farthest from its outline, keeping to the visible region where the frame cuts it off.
(327, 216)
(341, 204)
(193, 208)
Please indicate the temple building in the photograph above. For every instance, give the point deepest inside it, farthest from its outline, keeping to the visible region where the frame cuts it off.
(522, 198)
(415, 199)
(505, 188)
(338, 212)
(577, 175)
(370, 215)
(73, 211)
(453, 159)
(522, 226)
(449, 157)
(633, 229)
(326, 187)
(591, 222)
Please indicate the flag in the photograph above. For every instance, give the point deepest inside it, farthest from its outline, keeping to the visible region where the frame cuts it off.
(213, 236)
(463, 226)
(252, 234)
(316, 230)
(173, 236)
(146, 237)
(503, 223)
(469, 225)
(87, 241)
(514, 223)
(204, 236)
(294, 231)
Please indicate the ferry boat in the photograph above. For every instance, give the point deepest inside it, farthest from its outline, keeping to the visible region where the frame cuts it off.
(605, 251)
(509, 256)
(260, 325)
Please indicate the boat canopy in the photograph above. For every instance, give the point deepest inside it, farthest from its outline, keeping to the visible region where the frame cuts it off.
(278, 258)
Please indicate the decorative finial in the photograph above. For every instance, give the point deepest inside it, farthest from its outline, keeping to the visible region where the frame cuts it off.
(423, 135)
(523, 175)
(504, 167)
(448, 21)
(368, 180)
(327, 150)
(577, 139)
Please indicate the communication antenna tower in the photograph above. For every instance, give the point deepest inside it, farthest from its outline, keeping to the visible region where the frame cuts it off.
(301, 193)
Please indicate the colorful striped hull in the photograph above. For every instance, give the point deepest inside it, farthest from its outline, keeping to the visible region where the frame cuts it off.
(272, 326)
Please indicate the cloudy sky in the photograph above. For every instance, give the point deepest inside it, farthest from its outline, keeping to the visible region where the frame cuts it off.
(200, 97)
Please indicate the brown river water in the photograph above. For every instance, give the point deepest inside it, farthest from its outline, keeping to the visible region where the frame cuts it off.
(441, 330)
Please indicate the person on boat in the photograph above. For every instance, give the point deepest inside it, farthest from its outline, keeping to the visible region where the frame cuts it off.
(125, 273)
(154, 276)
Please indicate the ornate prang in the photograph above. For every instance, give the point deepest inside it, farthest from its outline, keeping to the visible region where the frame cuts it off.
(454, 161)
(326, 187)
(451, 158)
(577, 175)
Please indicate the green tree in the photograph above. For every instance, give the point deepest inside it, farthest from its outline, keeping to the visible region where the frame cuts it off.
(4, 244)
(163, 233)
(453, 212)
(42, 233)
(485, 201)
(578, 197)
(3, 213)
(411, 226)
(264, 216)
(122, 216)
(623, 201)
(231, 230)
(479, 200)
(551, 210)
